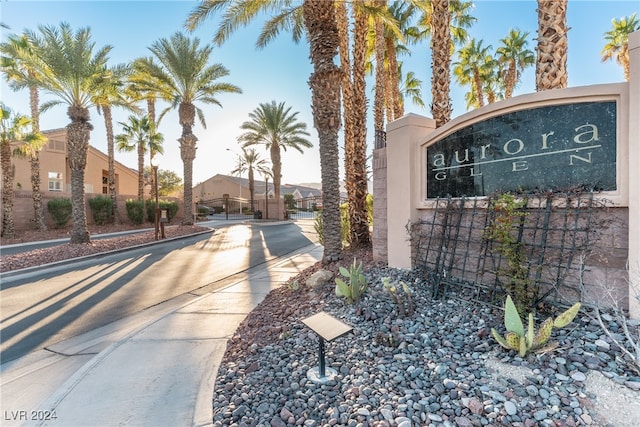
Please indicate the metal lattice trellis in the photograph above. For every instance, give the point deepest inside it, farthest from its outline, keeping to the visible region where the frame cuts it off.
(451, 248)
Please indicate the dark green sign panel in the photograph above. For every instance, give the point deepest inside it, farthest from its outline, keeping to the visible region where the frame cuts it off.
(546, 148)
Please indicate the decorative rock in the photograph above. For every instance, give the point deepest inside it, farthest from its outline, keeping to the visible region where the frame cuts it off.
(463, 422)
(319, 278)
(276, 421)
(633, 385)
(510, 407)
(540, 415)
(433, 374)
(579, 376)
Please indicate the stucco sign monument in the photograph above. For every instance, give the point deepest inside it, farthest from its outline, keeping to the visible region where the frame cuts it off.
(546, 148)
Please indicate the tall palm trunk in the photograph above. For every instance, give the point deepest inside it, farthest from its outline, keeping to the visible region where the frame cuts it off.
(320, 22)
(34, 160)
(188, 141)
(141, 150)
(348, 112)
(251, 187)
(378, 100)
(108, 124)
(78, 132)
(440, 62)
(8, 173)
(510, 81)
(276, 168)
(151, 113)
(358, 218)
(394, 79)
(551, 62)
(477, 85)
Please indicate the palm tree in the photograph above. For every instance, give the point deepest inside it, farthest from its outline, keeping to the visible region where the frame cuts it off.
(183, 77)
(138, 134)
(70, 71)
(354, 114)
(266, 174)
(410, 87)
(514, 54)
(111, 93)
(551, 61)
(440, 62)
(250, 162)
(322, 33)
(277, 128)
(13, 130)
(446, 21)
(137, 90)
(618, 41)
(16, 55)
(474, 66)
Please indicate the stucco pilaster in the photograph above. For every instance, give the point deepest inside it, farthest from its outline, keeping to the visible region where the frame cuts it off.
(403, 182)
(634, 175)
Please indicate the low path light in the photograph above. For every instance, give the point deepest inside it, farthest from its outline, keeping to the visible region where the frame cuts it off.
(327, 328)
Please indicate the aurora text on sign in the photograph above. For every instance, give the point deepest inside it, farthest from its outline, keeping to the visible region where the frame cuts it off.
(545, 148)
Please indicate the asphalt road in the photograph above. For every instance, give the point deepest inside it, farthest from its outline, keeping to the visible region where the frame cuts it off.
(51, 305)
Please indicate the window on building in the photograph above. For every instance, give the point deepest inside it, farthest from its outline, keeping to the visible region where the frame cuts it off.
(55, 181)
(105, 182)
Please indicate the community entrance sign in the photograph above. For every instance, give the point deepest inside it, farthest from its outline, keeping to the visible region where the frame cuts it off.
(546, 148)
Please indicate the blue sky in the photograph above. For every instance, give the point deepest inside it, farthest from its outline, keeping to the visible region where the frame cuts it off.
(281, 70)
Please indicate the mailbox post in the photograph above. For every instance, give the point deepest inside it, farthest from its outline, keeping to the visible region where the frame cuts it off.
(164, 218)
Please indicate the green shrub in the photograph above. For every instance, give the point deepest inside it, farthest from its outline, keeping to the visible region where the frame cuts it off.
(60, 210)
(135, 211)
(171, 207)
(101, 209)
(318, 225)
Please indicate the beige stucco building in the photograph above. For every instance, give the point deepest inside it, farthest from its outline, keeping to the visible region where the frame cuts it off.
(55, 173)
(55, 178)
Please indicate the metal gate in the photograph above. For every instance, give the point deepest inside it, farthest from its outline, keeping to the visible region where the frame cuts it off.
(224, 208)
(303, 208)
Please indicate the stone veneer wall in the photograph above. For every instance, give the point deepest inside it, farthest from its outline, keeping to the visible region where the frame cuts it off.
(380, 205)
(604, 275)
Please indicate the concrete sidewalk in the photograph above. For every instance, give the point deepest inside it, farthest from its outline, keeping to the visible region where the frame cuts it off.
(157, 368)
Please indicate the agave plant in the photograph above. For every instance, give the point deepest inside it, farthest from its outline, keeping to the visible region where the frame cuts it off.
(524, 342)
(356, 286)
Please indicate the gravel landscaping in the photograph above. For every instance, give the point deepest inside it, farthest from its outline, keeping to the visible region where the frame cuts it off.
(438, 367)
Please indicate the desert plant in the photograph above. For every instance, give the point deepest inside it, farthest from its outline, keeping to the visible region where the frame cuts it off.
(101, 209)
(294, 285)
(60, 210)
(504, 232)
(356, 286)
(318, 226)
(401, 295)
(524, 342)
(135, 211)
